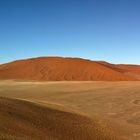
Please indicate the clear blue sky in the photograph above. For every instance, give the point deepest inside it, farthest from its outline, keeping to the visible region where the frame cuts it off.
(96, 29)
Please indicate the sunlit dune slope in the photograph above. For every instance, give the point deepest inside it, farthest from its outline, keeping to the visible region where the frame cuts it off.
(57, 68)
(23, 120)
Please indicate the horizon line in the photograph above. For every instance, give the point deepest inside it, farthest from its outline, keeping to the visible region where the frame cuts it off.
(72, 57)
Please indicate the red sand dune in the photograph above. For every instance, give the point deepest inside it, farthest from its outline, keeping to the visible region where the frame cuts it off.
(131, 68)
(69, 69)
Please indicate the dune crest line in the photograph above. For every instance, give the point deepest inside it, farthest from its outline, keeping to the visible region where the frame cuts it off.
(68, 69)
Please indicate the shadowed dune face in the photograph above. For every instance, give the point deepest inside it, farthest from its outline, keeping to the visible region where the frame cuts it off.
(64, 69)
(22, 120)
(132, 70)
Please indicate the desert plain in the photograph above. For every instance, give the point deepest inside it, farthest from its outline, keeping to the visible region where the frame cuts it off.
(69, 110)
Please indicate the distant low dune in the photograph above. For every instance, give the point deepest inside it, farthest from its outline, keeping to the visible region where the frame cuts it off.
(67, 69)
(23, 120)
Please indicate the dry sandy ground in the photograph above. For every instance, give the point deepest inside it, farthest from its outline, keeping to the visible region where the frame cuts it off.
(117, 103)
(22, 120)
